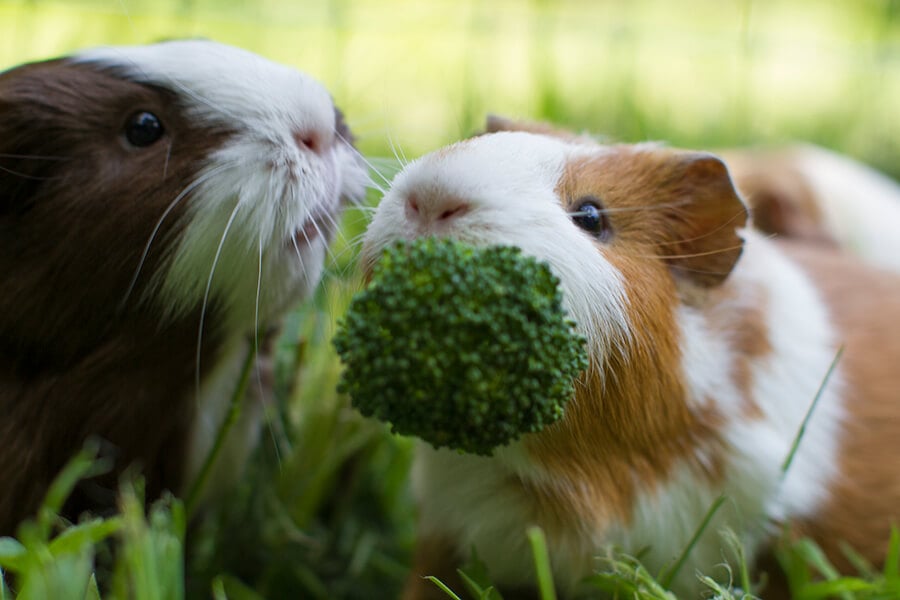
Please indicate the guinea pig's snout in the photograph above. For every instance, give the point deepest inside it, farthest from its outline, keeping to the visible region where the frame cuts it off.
(434, 212)
(313, 140)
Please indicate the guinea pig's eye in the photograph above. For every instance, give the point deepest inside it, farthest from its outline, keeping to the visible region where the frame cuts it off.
(590, 216)
(143, 129)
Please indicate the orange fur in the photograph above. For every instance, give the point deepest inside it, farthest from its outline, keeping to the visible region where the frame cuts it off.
(674, 217)
(866, 498)
(635, 403)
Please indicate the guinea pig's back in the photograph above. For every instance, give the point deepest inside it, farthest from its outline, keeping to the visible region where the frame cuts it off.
(864, 303)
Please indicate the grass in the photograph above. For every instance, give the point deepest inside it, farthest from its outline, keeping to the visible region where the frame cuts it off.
(325, 510)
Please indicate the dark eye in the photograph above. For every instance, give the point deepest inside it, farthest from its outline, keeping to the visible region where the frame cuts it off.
(589, 215)
(143, 129)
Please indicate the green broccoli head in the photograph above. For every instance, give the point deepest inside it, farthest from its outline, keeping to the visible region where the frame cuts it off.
(466, 347)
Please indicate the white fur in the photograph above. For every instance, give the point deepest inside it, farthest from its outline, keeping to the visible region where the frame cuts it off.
(508, 181)
(860, 206)
(785, 384)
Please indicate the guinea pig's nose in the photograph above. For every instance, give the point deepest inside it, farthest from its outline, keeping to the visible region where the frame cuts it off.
(312, 140)
(428, 210)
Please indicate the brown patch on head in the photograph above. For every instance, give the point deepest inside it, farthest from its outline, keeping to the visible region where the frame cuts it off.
(78, 203)
(865, 498)
(676, 206)
(673, 217)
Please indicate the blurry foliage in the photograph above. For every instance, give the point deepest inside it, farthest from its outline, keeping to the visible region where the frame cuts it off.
(697, 73)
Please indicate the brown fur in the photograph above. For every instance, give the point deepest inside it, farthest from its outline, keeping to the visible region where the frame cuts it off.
(679, 218)
(779, 195)
(638, 410)
(644, 422)
(77, 206)
(865, 500)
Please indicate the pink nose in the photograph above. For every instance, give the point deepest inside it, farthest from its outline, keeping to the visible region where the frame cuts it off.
(434, 209)
(311, 140)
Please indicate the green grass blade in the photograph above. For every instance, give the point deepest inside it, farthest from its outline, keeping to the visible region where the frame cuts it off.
(812, 407)
(542, 563)
(737, 548)
(476, 578)
(442, 587)
(93, 591)
(669, 576)
(482, 593)
(83, 536)
(843, 587)
(859, 562)
(227, 587)
(234, 411)
(892, 561)
(12, 554)
(83, 465)
(4, 591)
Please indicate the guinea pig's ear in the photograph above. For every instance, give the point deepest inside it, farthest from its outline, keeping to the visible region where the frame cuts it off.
(26, 153)
(704, 243)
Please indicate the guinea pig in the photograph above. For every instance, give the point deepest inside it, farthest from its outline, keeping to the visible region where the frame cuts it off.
(809, 193)
(161, 207)
(708, 345)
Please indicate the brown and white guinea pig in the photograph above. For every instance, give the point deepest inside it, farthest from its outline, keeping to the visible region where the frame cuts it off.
(809, 193)
(159, 206)
(708, 343)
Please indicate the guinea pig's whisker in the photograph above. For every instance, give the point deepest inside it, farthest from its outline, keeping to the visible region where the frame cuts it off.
(193, 185)
(401, 157)
(205, 303)
(300, 259)
(655, 207)
(34, 157)
(258, 292)
(626, 209)
(168, 156)
(711, 232)
(707, 253)
(259, 383)
(364, 209)
(687, 255)
(368, 163)
(25, 176)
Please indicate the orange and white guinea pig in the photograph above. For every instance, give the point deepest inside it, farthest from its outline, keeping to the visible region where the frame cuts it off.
(708, 344)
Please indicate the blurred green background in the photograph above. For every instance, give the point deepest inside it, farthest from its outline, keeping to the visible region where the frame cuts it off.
(422, 73)
(326, 511)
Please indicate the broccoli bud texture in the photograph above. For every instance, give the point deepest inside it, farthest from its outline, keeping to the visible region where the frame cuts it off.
(466, 347)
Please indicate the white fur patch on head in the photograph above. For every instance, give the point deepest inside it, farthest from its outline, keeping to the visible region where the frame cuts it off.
(505, 185)
(265, 201)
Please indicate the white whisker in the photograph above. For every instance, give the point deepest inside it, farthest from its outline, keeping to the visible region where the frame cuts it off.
(205, 303)
(196, 183)
(401, 158)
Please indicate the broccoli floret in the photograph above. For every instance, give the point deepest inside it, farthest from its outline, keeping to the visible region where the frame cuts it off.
(466, 347)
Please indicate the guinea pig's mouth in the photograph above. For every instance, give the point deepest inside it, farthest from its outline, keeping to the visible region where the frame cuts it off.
(320, 223)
